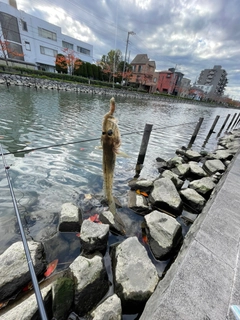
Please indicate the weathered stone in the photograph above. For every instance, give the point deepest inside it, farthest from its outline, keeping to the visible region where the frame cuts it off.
(70, 218)
(135, 276)
(196, 170)
(91, 282)
(213, 166)
(203, 186)
(143, 184)
(165, 196)
(164, 233)
(14, 271)
(138, 203)
(193, 155)
(193, 200)
(223, 155)
(174, 178)
(182, 170)
(28, 308)
(107, 217)
(62, 297)
(93, 236)
(110, 309)
(175, 161)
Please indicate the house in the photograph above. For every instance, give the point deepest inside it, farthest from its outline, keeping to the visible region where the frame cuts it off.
(143, 72)
(169, 81)
(35, 42)
(183, 91)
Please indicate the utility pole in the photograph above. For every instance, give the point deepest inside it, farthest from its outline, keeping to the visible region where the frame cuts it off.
(132, 33)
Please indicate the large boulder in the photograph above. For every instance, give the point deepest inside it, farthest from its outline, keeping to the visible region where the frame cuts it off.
(164, 233)
(90, 282)
(182, 170)
(165, 196)
(109, 309)
(93, 236)
(193, 155)
(174, 177)
(14, 271)
(194, 201)
(137, 203)
(135, 276)
(196, 171)
(70, 218)
(213, 166)
(203, 186)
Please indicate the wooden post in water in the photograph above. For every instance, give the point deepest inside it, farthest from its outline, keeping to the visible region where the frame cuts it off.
(143, 148)
(223, 125)
(195, 132)
(211, 130)
(234, 124)
(231, 122)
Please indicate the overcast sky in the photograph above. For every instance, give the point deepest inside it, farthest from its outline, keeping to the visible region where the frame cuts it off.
(190, 34)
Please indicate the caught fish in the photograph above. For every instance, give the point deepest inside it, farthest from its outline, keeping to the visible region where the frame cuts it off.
(111, 142)
(143, 193)
(51, 268)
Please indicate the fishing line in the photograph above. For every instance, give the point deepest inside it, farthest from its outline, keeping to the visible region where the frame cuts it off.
(94, 139)
(25, 245)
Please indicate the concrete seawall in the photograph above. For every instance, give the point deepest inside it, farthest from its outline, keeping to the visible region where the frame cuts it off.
(204, 280)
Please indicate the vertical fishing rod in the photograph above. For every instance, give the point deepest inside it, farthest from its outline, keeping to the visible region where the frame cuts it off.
(25, 245)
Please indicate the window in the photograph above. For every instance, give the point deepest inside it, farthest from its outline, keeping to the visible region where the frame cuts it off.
(67, 45)
(27, 45)
(47, 34)
(139, 68)
(168, 75)
(83, 50)
(10, 28)
(24, 25)
(15, 51)
(48, 51)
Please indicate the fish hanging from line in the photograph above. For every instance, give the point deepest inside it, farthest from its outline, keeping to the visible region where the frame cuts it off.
(111, 142)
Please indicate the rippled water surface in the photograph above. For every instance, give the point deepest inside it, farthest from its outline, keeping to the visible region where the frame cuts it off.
(46, 178)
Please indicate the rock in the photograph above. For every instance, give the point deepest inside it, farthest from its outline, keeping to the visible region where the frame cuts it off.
(174, 178)
(143, 185)
(110, 309)
(213, 166)
(62, 297)
(135, 276)
(91, 282)
(193, 199)
(196, 171)
(164, 233)
(203, 186)
(182, 170)
(107, 217)
(70, 218)
(223, 155)
(161, 164)
(174, 162)
(93, 236)
(14, 271)
(138, 203)
(165, 196)
(193, 155)
(28, 308)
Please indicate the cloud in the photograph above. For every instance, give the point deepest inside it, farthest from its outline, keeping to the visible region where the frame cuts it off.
(191, 34)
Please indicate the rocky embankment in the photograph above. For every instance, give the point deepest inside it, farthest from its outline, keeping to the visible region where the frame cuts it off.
(38, 83)
(86, 288)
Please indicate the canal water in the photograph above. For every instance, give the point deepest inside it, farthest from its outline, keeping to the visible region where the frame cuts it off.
(68, 124)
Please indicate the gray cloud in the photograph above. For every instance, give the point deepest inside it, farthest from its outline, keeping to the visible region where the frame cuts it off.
(191, 34)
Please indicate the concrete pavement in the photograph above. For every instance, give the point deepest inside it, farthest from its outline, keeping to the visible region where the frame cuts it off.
(204, 280)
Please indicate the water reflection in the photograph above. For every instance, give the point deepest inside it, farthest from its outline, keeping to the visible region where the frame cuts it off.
(45, 179)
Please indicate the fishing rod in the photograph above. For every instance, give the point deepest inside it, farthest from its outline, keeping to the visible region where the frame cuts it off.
(25, 245)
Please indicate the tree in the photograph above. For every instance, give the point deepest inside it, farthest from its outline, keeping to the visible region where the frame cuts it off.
(110, 63)
(69, 59)
(89, 70)
(77, 67)
(61, 63)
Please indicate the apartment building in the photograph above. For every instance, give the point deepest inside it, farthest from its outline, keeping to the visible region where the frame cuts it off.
(35, 41)
(216, 78)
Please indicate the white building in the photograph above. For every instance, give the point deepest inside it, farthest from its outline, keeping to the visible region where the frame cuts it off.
(37, 41)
